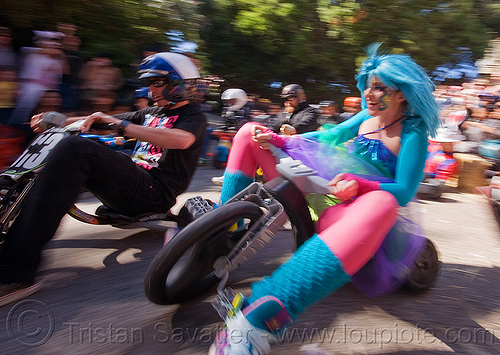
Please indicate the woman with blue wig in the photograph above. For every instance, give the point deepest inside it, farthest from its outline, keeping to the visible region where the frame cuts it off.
(375, 162)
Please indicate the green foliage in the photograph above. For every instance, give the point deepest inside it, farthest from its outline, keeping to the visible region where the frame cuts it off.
(254, 42)
(316, 43)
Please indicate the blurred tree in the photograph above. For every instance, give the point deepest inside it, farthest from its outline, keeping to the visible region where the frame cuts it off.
(489, 13)
(317, 43)
(252, 43)
(429, 30)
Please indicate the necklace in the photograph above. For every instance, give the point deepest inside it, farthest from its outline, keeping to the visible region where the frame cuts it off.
(385, 127)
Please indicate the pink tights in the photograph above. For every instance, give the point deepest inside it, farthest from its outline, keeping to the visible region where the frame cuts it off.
(352, 230)
(355, 230)
(246, 155)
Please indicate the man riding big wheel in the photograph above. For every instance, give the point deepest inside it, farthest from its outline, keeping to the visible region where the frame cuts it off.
(170, 139)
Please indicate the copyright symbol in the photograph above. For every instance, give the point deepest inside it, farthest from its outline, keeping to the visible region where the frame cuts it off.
(30, 322)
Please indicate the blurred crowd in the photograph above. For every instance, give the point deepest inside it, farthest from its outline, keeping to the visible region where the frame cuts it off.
(53, 75)
(470, 114)
(471, 104)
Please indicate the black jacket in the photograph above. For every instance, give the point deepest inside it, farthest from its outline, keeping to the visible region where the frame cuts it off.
(304, 119)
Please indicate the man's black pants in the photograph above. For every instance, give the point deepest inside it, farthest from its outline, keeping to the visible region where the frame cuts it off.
(75, 164)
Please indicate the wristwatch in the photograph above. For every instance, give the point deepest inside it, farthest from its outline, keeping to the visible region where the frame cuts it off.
(122, 126)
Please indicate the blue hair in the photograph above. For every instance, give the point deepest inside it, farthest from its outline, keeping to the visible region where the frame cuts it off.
(401, 72)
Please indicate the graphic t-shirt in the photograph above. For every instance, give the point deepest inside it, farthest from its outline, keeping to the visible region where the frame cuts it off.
(146, 154)
(173, 168)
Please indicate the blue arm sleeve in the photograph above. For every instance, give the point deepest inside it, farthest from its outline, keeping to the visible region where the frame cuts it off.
(409, 168)
(342, 132)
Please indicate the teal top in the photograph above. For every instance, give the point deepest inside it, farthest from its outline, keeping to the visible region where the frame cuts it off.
(406, 168)
(375, 152)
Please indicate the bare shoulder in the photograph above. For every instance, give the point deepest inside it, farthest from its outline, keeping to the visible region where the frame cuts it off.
(368, 125)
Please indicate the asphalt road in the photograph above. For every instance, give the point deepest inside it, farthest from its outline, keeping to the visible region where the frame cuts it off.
(93, 301)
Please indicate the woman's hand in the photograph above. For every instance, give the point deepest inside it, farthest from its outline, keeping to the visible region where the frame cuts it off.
(261, 138)
(97, 117)
(343, 189)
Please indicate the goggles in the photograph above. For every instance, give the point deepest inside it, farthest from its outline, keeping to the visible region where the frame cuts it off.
(158, 82)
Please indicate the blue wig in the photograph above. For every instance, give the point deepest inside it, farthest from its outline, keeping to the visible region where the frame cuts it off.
(400, 72)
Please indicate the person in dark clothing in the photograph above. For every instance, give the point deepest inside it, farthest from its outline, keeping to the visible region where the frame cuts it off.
(236, 111)
(329, 113)
(71, 80)
(297, 116)
(162, 165)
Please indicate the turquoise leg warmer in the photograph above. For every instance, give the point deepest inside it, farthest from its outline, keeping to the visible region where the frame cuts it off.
(233, 183)
(313, 272)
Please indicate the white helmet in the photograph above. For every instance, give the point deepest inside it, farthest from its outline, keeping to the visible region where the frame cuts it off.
(236, 98)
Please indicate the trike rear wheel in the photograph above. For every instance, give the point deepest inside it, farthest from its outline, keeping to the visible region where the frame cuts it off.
(425, 269)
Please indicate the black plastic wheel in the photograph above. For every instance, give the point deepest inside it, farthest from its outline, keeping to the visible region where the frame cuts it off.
(9, 195)
(425, 269)
(3, 208)
(183, 268)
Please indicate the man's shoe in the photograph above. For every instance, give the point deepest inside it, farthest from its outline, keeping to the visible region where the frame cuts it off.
(203, 161)
(251, 331)
(218, 180)
(17, 291)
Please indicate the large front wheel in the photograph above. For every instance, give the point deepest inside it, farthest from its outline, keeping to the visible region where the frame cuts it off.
(183, 268)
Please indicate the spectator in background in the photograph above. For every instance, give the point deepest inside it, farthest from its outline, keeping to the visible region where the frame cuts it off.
(8, 57)
(440, 166)
(471, 92)
(42, 70)
(8, 91)
(71, 80)
(236, 111)
(494, 86)
(122, 105)
(50, 101)
(483, 123)
(104, 101)
(329, 113)
(11, 141)
(141, 98)
(11, 146)
(99, 75)
(456, 113)
(352, 105)
(273, 111)
(440, 163)
(297, 116)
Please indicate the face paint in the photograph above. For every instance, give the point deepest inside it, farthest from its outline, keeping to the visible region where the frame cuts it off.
(385, 95)
(384, 101)
(378, 96)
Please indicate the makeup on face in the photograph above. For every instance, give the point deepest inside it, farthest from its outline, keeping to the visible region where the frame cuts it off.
(378, 95)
